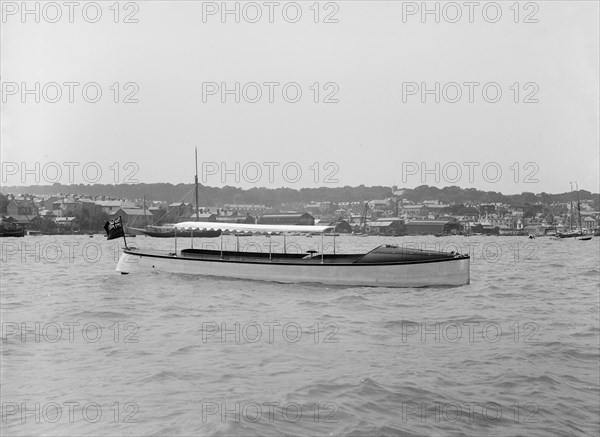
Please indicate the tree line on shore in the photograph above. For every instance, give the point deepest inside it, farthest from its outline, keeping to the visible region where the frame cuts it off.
(273, 197)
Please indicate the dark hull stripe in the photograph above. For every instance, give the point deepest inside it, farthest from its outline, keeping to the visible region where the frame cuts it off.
(136, 253)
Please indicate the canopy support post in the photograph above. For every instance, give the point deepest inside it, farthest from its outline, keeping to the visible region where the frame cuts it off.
(237, 246)
(192, 237)
(334, 241)
(175, 241)
(270, 252)
(322, 245)
(284, 244)
(221, 245)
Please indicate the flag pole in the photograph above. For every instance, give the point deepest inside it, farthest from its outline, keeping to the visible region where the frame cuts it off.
(123, 227)
(196, 185)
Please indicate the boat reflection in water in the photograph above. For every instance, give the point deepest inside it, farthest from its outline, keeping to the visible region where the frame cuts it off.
(384, 266)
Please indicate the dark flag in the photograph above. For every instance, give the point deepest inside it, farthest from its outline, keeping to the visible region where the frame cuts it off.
(114, 229)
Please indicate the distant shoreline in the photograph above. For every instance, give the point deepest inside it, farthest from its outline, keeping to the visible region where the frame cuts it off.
(213, 196)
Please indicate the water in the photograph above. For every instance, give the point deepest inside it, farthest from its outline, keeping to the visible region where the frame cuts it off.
(86, 351)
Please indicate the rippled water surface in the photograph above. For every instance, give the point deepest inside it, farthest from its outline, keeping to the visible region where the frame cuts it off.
(86, 351)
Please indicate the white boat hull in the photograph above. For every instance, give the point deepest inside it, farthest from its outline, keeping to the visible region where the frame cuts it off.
(418, 274)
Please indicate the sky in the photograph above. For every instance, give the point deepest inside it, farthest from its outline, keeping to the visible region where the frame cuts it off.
(501, 96)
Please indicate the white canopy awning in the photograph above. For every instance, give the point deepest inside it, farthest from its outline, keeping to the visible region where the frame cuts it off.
(244, 227)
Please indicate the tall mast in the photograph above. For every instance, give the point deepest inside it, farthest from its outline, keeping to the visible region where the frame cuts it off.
(578, 207)
(196, 182)
(145, 223)
(571, 209)
(363, 218)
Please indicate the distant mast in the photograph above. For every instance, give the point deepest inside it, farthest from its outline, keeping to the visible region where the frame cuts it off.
(571, 209)
(145, 222)
(578, 207)
(196, 182)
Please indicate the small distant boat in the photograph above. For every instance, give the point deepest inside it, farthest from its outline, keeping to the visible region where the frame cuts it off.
(33, 233)
(8, 232)
(569, 234)
(384, 266)
(9, 229)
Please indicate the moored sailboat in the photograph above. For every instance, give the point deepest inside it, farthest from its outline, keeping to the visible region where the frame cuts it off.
(583, 237)
(578, 232)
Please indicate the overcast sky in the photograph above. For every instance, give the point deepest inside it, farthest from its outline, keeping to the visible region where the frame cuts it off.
(370, 66)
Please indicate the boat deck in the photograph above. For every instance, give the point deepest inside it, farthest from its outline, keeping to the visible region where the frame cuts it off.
(381, 255)
(261, 257)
